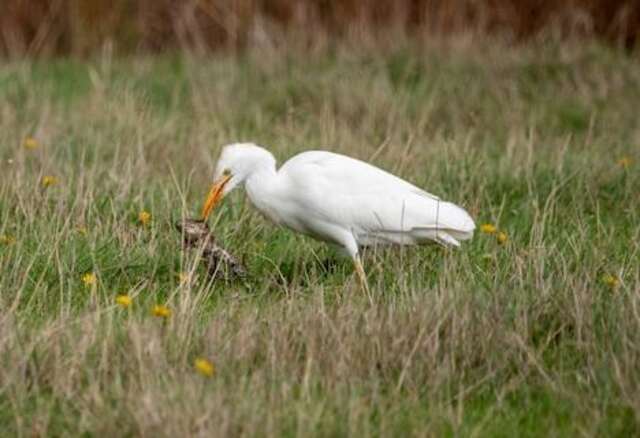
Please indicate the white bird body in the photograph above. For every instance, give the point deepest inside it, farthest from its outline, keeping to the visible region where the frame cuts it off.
(341, 200)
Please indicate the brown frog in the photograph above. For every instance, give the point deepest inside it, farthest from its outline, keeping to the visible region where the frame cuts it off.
(219, 261)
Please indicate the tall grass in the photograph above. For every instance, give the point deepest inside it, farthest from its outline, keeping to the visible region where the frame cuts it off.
(79, 27)
(535, 336)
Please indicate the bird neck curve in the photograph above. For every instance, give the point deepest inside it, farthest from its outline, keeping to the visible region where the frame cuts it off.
(264, 162)
(262, 183)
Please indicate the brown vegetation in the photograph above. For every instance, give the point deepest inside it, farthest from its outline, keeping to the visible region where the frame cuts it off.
(36, 27)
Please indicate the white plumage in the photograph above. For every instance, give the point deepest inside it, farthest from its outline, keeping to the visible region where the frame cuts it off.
(338, 199)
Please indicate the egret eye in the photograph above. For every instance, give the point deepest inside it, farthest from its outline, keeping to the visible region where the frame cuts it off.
(226, 172)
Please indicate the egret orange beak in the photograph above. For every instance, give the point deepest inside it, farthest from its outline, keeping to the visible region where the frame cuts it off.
(214, 196)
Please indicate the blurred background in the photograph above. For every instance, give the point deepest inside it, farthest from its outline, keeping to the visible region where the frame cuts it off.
(82, 27)
(112, 115)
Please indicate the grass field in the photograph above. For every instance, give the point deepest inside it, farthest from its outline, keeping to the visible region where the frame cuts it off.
(536, 336)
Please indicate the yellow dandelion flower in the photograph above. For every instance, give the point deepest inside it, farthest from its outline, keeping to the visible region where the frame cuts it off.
(625, 162)
(161, 311)
(144, 217)
(204, 367)
(7, 240)
(30, 143)
(502, 237)
(89, 279)
(488, 228)
(610, 280)
(124, 300)
(48, 181)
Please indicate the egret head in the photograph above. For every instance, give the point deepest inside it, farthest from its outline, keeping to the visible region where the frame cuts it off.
(236, 163)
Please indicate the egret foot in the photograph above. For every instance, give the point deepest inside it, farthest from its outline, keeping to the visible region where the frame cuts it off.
(362, 276)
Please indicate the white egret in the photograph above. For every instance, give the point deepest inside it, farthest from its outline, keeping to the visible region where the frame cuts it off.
(338, 199)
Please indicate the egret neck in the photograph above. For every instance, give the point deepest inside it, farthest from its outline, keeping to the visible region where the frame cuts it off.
(262, 188)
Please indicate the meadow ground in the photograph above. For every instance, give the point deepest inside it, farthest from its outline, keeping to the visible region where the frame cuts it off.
(536, 335)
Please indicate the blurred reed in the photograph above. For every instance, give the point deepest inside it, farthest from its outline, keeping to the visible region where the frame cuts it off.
(81, 27)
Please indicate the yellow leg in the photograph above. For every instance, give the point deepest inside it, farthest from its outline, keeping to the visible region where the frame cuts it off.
(361, 275)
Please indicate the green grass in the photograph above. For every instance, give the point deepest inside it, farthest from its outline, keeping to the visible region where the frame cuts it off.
(519, 339)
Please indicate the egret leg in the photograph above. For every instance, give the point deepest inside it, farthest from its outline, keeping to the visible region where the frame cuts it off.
(361, 275)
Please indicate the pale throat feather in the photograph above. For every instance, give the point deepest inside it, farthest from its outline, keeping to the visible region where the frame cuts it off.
(262, 188)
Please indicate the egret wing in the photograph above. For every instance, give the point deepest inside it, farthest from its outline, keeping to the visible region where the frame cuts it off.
(373, 204)
(349, 174)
